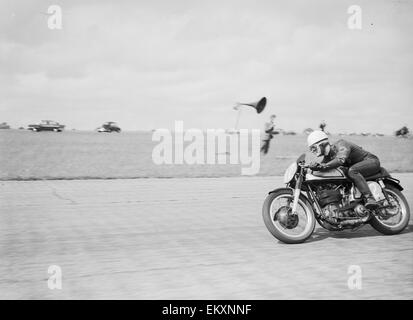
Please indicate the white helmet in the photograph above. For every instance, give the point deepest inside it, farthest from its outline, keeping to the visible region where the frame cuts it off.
(316, 137)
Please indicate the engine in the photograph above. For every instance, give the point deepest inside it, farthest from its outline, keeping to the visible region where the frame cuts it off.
(330, 199)
(338, 206)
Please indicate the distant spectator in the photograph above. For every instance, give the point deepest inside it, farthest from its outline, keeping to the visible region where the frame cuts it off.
(269, 132)
(322, 125)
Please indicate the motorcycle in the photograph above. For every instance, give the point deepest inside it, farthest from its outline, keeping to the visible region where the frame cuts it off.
(331, 199)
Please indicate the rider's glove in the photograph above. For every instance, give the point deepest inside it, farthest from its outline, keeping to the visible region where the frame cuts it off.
(315, 166)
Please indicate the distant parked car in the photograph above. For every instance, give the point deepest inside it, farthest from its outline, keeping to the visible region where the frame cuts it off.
(403, 132)
(289, 133)
(47, 125)
(4, 125)
(308, 131)
(109, 127)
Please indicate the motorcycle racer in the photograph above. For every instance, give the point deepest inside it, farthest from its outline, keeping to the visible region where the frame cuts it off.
(360, 163)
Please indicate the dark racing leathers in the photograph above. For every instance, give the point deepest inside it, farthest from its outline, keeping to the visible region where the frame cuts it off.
(359, 162)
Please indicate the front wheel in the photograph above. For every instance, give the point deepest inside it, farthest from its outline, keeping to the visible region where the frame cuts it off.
(395, 218)
(282, 224)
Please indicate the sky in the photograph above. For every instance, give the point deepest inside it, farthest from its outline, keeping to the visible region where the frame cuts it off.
(147, 64)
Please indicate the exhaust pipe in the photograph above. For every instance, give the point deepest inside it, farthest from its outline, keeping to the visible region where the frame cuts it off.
(354, 222)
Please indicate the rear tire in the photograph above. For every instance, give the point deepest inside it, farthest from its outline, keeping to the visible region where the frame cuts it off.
(268, 217)
(399, 227)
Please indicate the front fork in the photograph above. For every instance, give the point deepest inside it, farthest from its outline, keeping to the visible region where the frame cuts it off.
(297, 192)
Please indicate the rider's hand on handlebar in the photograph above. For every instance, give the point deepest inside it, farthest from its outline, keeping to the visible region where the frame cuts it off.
(314, 166)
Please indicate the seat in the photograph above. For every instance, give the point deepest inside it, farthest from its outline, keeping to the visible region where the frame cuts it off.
(381, 174)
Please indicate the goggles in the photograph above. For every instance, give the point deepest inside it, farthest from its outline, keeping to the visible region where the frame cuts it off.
(318, 148)
(314, 148)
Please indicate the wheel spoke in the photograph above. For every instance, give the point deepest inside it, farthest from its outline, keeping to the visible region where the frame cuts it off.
(393, 215)
(303, 224)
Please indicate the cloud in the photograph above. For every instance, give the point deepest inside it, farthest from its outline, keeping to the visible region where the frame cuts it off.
(146, 64)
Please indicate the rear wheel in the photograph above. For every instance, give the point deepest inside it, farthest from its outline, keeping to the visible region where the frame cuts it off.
(282, 224)
(394, 219)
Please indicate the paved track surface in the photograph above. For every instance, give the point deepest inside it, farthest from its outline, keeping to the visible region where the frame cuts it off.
(182, 239)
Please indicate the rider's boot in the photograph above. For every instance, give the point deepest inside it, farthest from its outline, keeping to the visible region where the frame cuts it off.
(371, 203)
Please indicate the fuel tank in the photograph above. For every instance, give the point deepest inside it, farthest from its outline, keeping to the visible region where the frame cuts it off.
(334, 174)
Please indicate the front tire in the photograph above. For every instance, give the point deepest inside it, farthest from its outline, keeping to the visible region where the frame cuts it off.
(383, 225)
(281, 232)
